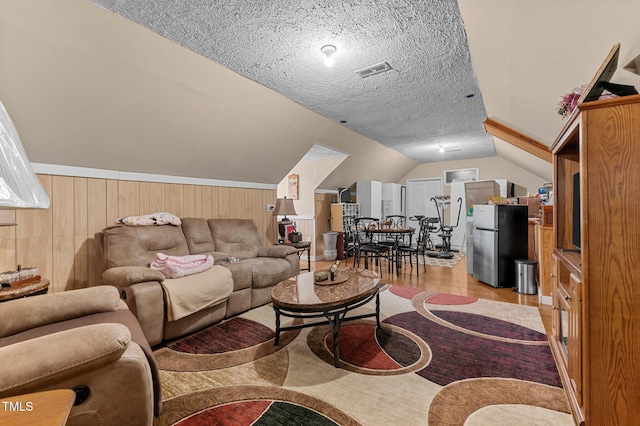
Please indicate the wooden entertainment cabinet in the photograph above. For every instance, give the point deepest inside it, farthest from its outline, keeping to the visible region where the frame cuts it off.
(596, 290)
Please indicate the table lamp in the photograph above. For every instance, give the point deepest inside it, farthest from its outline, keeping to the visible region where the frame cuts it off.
(284, 206)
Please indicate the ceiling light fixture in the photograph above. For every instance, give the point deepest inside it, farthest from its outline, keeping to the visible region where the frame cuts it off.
(328, 51)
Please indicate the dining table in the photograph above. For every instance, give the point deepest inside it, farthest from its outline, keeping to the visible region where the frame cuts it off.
(396, 236)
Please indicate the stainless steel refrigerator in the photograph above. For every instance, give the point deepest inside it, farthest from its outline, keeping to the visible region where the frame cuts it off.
(500, 236)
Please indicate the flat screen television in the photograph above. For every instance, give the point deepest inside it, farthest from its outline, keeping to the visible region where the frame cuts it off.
(575, 231)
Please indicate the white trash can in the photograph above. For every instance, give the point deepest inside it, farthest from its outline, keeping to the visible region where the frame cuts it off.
(330, 242)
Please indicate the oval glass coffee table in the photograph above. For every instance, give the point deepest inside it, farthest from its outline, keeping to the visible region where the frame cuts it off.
(300, 297)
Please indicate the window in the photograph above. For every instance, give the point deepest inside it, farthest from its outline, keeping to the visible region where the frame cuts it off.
(460, 175)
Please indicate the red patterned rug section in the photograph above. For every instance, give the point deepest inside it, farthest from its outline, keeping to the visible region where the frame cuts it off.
(235, 334)
(239, 413)
(365, 346)
(450, 299)
(404, 292)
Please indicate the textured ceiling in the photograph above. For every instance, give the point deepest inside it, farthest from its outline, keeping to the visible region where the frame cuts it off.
(429, 100)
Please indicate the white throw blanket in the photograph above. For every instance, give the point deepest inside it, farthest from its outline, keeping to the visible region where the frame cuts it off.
(192, 293)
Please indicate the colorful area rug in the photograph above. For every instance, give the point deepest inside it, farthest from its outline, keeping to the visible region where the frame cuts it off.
(438, 359)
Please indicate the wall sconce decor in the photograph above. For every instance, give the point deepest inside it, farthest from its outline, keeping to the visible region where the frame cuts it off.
(293, 186)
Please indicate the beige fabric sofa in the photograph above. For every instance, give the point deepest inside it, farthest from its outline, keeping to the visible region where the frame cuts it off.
(129, 250)
(86, 340)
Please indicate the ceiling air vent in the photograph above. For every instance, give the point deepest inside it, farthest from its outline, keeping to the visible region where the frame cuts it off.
(374, 69)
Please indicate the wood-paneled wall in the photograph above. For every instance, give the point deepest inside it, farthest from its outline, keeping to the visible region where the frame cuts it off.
(307, 228)
(60, 241)
(323, 219)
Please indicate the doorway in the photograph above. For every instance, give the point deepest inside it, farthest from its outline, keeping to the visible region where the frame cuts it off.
(419, 193)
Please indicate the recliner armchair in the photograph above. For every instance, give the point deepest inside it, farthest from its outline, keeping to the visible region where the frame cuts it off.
(86, 340)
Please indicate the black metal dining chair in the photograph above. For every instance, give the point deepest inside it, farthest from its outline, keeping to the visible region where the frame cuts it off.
(349, 229)
(396, 221)
(418, 249)
(396, 240)
(367, 244)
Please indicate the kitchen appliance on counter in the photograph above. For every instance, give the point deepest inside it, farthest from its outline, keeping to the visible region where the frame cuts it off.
(500, 236)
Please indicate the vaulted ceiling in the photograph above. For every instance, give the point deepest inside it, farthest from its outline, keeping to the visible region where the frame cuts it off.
(428, 99)
(236, 90)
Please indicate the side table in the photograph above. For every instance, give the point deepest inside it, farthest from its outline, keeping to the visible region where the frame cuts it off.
(303, 246)
(28, 289)
(48, 408)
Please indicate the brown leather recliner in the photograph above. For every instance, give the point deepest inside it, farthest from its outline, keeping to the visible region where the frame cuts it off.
(86, 340)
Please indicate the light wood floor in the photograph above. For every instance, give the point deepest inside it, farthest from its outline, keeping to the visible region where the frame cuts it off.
(453, 281)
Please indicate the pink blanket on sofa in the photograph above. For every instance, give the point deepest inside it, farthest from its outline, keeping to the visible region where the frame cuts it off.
(181, 266)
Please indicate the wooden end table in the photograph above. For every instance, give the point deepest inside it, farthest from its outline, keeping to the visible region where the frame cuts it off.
(33, 288)
(301, 297)
(302, 246)
(48, 408)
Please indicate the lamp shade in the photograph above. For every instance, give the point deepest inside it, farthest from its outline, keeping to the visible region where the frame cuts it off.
(284, 206)
(19, 186)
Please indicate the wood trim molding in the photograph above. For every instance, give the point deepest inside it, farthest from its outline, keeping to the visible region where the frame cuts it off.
(518, 139)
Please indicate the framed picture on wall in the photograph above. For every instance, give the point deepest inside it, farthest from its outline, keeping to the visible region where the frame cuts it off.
(293, 186)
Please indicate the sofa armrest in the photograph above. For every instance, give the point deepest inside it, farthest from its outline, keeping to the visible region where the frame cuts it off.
(31, 312)
(43, 361)
(124, 276)
(280, 251)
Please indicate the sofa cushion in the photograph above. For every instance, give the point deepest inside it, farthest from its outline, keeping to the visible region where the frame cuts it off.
(238, 237)
(138, 245)
(241, 272)
(282, 250)
(267, 272)
(192, 293)
(198, 236)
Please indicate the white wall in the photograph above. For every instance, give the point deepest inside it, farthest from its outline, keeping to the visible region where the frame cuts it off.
(310, 175)
(369, 196)
(489, 168)
(392, 194)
